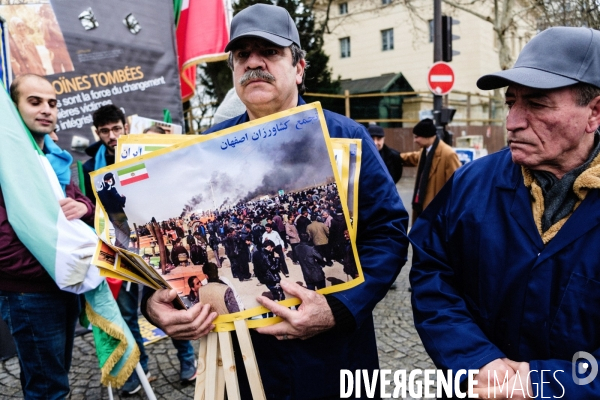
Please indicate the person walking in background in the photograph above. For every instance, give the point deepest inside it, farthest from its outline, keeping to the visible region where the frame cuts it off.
(311, 262)
(391, 158)
(436, 162)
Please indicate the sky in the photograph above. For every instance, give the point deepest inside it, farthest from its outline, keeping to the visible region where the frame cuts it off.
(287, 153)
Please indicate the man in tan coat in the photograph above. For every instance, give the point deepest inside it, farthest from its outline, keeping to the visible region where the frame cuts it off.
(436, 162)
(318, 232)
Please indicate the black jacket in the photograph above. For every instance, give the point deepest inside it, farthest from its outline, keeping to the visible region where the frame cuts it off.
(392, 161)
(311, 263)
(266, 267)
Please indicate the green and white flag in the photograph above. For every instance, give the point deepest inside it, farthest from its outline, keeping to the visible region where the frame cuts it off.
(64, 248)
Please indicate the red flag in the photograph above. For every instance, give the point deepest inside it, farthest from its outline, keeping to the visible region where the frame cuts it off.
(202, 34)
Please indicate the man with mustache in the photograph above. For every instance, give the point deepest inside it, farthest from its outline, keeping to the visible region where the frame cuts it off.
(326, 333)
(505, 270)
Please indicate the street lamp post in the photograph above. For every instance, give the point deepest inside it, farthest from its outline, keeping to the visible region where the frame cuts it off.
(437, 56)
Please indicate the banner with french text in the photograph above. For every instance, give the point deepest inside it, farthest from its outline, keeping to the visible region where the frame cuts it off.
(97, 53)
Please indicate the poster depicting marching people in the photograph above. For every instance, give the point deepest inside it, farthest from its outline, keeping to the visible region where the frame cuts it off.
(225, 217)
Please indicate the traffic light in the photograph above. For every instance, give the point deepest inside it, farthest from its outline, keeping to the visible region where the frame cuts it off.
(444, 116)
(447, 38)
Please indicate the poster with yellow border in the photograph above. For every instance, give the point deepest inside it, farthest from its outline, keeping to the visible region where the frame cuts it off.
(289, 152)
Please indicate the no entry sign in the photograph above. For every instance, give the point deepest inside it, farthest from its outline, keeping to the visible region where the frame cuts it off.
(440, 78)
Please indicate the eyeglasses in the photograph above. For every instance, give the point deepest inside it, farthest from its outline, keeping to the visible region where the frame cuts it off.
(117, 129)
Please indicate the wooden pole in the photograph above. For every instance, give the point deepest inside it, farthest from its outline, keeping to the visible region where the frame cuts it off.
(210, 386)
(468, 108)
(156, 231)
(229, 367)
(347, 102)
(220, 376)
(201, 375)
(137, 236)
(256, 386)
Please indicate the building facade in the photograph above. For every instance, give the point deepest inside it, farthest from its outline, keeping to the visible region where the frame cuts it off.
(370, 38)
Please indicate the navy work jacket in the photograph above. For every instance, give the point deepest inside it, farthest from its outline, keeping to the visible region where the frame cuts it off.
(310, 369)
(486, 287)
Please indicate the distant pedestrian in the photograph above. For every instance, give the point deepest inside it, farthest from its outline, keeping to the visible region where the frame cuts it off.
(311, 263)
(391, 158)
(436, 163)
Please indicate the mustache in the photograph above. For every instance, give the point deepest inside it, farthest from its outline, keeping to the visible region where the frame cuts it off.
(256, 74)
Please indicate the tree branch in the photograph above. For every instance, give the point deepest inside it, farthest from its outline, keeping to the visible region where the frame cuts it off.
(465, 9)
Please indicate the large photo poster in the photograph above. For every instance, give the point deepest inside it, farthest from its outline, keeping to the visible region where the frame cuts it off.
(202, 199)
(96, 53)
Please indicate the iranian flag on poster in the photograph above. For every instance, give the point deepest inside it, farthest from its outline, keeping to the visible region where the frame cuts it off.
(133, 174)
(202, 34)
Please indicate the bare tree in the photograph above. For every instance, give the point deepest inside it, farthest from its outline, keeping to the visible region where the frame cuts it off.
(506, 16)
(568, 13)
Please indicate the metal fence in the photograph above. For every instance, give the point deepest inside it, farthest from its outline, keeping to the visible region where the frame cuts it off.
(472, 110)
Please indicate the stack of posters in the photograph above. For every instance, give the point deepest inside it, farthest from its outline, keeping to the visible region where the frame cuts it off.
(181, 213)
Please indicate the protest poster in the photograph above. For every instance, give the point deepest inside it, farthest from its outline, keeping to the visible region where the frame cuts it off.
(130, 146)
(97, 53)
(217, 176)
(139, 124)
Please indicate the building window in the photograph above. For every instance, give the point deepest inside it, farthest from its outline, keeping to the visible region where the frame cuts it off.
(386, 2)
(343, 8)
(387, 39)
(430, 31)
(345, 47)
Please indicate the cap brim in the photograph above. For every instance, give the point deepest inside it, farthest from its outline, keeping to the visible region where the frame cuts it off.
(530, 77)
(277, 40)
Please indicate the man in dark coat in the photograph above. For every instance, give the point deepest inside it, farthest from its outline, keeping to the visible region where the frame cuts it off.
(232, 251)
(266, 269)
(311, 263)
(338, 327)
(391, 158)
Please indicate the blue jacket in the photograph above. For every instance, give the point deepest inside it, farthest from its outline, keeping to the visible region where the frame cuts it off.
(486, 287)
(310, 369)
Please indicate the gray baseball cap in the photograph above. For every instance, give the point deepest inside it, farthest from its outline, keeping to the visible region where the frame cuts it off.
(555, 58)
(264, 21)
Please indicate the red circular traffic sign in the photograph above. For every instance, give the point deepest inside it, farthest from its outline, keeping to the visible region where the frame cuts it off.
(440, 78)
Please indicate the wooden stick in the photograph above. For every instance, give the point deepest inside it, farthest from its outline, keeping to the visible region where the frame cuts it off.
(201, 374)
(212, 349)
(256, 386)
(229, 367)
(220, 376)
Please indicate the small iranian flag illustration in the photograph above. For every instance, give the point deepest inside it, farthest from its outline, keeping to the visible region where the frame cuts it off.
(133, 174)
